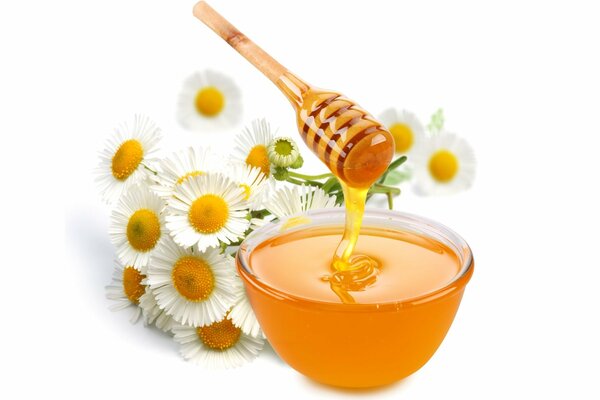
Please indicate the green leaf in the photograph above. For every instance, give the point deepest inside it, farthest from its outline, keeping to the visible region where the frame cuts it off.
(436, 124)
(396, 177)
(281, 173)
(298, 163)
(331, 185)
(397, 162)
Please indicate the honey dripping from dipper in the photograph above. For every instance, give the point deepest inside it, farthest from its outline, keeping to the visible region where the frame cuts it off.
(352, 144)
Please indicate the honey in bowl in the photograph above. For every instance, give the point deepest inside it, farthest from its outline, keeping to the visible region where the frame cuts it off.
(394, 326)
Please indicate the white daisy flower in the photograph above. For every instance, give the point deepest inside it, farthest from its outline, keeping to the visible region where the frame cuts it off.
(126, 290)
(180, 166)
(405, 127)
(206, 210)
(255, 184)
(195, 288)
(137, 226)
(209, 98)
(152, 312)
(124, 156)
(252, 146)
(283, 152)
(290, 201)
(242, 314)
(219, 345)
(445, 165)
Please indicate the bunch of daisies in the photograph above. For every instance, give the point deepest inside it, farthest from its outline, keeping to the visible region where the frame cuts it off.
(177, 221)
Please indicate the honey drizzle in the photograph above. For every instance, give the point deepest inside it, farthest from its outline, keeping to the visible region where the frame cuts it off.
(355, 207)
(352, 272)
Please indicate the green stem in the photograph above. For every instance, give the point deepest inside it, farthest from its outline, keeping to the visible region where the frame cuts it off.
(306, 182)
(385, 189)
(294, 174)
(294, 181)
(379, 190)
(314, 183)
(149, 169)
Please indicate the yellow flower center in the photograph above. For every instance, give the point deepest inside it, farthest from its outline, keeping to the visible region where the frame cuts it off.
(220, 335)
(247, 190)
(283, 147)
(132, 284)
(126, 159)
(188, 175)
(209, 101)
(259, 157)
(143, 229)
(443, 166)
(193, 278)
(208, 213)
(403, 137)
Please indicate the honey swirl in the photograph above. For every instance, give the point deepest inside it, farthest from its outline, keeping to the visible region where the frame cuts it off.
(361, 273)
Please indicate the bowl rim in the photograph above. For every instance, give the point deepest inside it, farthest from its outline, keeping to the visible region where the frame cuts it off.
(420, 225)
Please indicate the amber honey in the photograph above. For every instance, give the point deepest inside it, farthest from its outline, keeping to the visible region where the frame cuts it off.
(395, 323)
(410, 265)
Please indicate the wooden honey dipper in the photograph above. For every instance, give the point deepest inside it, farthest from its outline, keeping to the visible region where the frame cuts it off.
(354, 146)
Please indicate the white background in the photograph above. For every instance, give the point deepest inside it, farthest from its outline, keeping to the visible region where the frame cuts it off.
(519, 80)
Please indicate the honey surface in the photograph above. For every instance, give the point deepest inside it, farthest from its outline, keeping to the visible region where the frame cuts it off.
(409, 265)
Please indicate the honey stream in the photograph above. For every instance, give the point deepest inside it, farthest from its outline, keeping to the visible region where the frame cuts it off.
(352, 272)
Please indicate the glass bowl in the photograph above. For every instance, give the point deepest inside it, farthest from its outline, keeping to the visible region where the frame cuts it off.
(395, 339)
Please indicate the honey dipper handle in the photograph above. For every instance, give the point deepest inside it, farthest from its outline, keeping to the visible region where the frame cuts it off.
(236, 39)
(292, 86)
